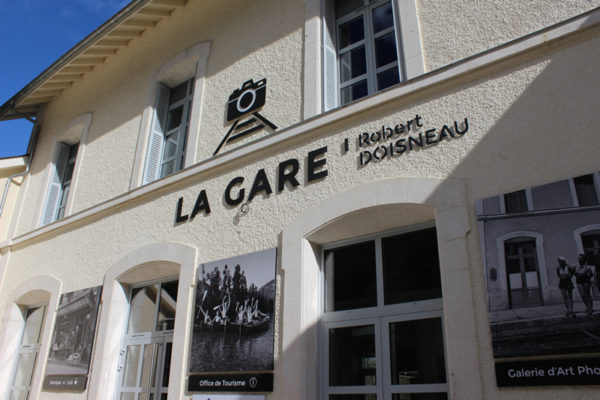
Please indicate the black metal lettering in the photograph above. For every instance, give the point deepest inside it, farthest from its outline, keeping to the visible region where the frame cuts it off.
(400, 146)
(312, 165)
(201, 205)
(430, 136)
(289, 176)
(466, 124)
(445, 132)
(362, 160)
(383, 149)
(412, 140)
(180, 218)
(228, 199)
(418, 119)
(261, 183)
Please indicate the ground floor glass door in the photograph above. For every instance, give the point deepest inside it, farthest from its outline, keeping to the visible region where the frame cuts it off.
(146, 367)
(148, 343)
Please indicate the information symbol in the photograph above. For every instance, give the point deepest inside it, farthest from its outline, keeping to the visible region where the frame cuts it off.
(253, 382)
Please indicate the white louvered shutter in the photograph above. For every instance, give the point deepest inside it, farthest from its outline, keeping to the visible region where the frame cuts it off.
(330, 74)
(171, 153)
(157, 136)
(55, 189)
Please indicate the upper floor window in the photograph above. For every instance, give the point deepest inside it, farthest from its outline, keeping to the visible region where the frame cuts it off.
(28, 352)
(170, 122)
(361, 55)
(60, 183)
(515, 202)
(585, 190)
(382, 332)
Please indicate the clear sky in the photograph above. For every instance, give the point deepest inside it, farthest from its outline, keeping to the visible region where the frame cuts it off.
(34, 34)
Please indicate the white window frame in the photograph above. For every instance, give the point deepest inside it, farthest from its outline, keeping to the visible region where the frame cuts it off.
(41, 290)
(380, 316)
(189, 64)
(32, 348)
(163, 139)
(408, 44)
(368, 42)
(144, 338)
(75, 132)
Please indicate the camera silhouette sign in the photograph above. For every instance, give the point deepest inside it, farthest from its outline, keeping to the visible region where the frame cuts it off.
(244, 103)
(250, 97)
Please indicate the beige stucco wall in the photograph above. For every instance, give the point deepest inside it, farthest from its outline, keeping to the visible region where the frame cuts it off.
(453, 30)
(529, 124)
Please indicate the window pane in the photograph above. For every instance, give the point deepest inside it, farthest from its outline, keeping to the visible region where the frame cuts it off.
(354, 92)
(352, 356)
(417, 352)
(24, 369)
(147, 364)
(411, 269)
(175, 118)
(353, 64)
(167, 365)
(142, 314)
(519, 255)
(33, 325)
(586, 192)
(351, 32)
(515, 202)
(343, 7)
(167, 306)
(388, 78)
(383, 17)
(127, 396)
(368, 396)
(419, 396)
(385, 50)
(350, 276)
(179, 92)
(132, 360)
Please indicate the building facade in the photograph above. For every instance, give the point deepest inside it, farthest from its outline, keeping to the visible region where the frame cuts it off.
(358, 139)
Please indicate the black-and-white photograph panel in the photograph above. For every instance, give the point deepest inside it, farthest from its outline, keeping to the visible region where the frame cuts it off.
(541, 259)
(234, 313)
(73, 338)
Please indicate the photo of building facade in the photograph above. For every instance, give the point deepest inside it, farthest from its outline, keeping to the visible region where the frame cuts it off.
(378, 146)
(535, 307)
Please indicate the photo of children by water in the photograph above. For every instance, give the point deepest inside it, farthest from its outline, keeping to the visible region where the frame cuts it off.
(233, 317)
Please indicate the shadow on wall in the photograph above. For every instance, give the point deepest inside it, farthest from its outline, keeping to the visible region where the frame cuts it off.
(530, 124)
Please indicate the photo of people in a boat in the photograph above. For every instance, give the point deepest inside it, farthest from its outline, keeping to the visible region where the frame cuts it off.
(233, 315)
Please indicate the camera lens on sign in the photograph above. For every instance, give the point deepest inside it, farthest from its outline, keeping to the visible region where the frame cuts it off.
(246, 100)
